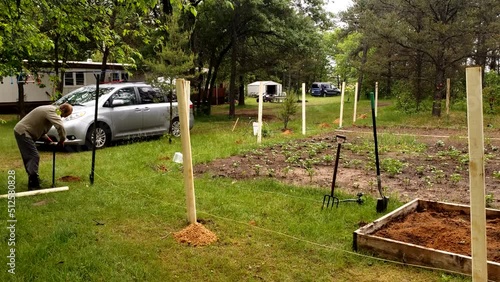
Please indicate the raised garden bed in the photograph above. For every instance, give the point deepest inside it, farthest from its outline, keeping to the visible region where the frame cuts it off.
(433, 234)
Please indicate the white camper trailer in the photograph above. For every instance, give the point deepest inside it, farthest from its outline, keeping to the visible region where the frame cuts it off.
(270, 87)
(39, 90)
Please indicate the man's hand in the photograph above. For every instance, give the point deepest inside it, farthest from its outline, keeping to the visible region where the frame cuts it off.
(47, 139)
(60, 143)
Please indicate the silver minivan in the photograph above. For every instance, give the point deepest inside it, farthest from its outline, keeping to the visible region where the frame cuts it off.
(125, 110)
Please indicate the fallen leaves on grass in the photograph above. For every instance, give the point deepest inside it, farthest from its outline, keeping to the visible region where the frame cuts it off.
(195, 235)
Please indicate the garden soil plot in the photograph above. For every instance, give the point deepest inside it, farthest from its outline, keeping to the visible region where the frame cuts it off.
(429, 164)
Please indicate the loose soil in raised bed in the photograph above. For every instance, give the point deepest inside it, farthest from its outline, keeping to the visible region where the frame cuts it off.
(438, 172)
(446, 231)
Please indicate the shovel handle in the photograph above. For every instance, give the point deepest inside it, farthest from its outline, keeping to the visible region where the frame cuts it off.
(377, 162)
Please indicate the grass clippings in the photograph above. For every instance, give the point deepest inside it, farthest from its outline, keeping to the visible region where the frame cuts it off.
(195, 235)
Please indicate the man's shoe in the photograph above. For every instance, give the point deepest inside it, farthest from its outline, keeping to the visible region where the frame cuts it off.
(34, 183)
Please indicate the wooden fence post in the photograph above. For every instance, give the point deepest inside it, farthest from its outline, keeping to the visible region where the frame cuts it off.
(259, 117)
(355, 102)
(183, 90)
(342, 104)
(476, 174)
(303, 109)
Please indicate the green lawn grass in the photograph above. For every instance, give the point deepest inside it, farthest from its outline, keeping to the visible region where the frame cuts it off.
(121, 228)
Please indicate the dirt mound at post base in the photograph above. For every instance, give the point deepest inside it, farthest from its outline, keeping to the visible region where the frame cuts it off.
(195, 235)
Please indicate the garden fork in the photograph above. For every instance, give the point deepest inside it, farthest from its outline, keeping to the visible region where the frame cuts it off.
(327, 198)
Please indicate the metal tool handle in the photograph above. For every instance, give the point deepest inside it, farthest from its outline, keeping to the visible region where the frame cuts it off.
(377, 162)
(340, 139)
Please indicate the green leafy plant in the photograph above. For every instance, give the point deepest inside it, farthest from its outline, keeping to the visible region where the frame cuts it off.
(496, 174)
(420, 170)
(257, 169)
(288, 109)
(489, 198)
(439, 175)
(455, 178)
(287, 170)
(392, 166)
(328, 159)
(310, 171)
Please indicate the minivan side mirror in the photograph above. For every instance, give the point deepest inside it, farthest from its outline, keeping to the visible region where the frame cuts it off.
(118, 102)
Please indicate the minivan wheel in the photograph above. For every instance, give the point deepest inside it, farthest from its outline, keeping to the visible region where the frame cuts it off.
(176, 128)
(103, 136)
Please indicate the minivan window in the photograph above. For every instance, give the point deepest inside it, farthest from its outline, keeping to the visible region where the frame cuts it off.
(82, 95)
(127, 95)
(149, 95)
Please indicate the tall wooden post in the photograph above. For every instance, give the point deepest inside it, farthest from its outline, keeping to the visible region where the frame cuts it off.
(355, 102)
(447, 96)
(342, 104)
(476, 174)
(303, 109)
(183, 89)
(259, 117)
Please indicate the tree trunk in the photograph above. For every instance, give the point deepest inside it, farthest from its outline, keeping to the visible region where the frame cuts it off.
(418, 80)
(439, 91)
(60, 82)
(20, 91)
(241, 99)
(361, 71)
(232, 80)
(105, 55)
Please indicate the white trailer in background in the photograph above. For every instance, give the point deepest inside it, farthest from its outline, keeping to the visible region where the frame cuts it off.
(270, 87)
(39, 90)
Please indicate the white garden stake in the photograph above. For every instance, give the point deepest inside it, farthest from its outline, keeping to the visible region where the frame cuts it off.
(183, 90)
(476, 174)
(259, 118)
(342, 105)
(355, 102)
(303, 109)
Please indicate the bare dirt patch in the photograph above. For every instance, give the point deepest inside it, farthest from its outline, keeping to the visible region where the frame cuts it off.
(69, 178)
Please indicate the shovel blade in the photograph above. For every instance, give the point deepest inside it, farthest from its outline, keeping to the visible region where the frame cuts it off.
(382, 204)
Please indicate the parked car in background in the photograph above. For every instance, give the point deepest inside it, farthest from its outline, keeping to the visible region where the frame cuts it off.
(125, 110)
(324, 89)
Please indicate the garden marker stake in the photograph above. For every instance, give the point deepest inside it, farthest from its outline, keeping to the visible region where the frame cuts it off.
(327, 198)
(381, 202)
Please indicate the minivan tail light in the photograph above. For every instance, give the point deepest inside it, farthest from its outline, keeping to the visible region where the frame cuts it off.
(191, 106)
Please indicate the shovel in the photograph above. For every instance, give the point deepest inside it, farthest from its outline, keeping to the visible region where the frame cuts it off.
(383, 200)
(327, 198)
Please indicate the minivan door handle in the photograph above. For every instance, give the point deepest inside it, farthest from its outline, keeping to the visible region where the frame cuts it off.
(138, 109)
(146, 109)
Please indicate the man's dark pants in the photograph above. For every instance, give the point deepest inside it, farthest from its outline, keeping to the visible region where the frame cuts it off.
(31, 158)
